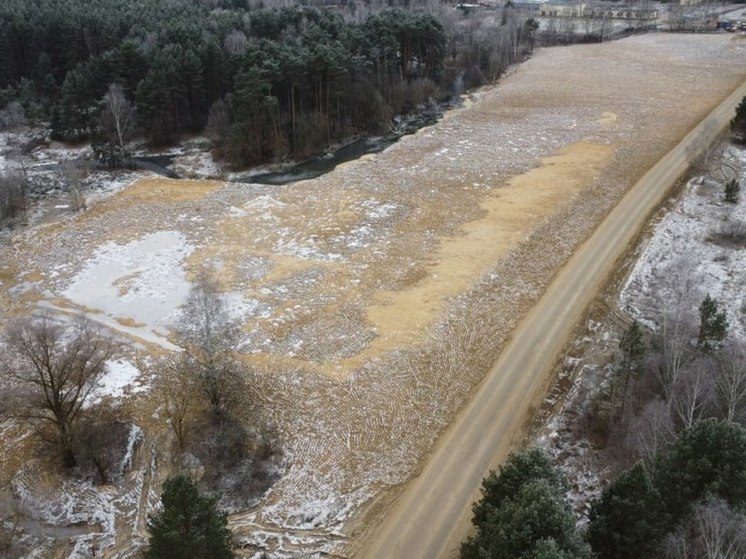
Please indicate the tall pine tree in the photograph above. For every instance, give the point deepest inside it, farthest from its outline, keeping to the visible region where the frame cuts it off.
(713, 326)
(189, 526)
(523, 514)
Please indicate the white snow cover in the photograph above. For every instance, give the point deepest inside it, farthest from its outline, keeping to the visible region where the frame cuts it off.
(683, 262)
(135, 436)
(121, 376)
(102, 184)
(74, 503)
(143, 280)
(200, 165)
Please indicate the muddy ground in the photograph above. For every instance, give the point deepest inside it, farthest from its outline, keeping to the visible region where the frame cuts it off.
(374, 298)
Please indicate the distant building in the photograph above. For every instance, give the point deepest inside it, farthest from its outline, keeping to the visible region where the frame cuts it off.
(528, 7)
(625, 11)
(561, 8)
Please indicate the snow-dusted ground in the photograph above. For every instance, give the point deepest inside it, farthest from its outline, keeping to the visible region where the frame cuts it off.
(90, 519)
(121, 378)
(685, 258)
(559, 433)
(143, 280)
(374, 298)
(191, 159)
(699, 248)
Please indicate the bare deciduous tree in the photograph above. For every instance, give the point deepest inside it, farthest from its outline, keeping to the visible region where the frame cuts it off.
(12, 116)
(235, 42)
(238, 457)
(713, 531)
(55, 368)
(209, 336)
(675, 352)
(74, 180)
(731, 384)
(219, 119)
(692, 394)
(652, 429)
(178, 386)
(117, 118)
(721, 531)
(13, 197)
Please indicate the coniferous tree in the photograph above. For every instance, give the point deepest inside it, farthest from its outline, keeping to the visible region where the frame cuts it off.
(626, 522)
(634, 514)
(713, 326)
(632, 345)
(523, 513)
(322, 78)
(521, 467)
(189, 526)
(732, 191)
(709, 459)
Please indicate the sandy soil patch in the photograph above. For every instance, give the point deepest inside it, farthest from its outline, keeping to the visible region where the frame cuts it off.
(511, 211)
(150, 191)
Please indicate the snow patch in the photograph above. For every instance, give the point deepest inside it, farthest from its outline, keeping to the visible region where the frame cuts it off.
(143, 280)
(120, 378)
(243, 309)
(135, 436)
(683, 262)
(199, 165)
(264, 202)
(306, 249)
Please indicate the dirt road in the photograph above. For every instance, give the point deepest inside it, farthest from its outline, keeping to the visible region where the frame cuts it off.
(432, 516)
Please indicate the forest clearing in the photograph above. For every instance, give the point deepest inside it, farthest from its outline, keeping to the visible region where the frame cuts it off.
(372, 299)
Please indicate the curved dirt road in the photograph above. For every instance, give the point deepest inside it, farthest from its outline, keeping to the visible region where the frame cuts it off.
(432, 515)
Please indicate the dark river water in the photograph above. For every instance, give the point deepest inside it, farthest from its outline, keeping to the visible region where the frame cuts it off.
(309, 169)
(321, 165)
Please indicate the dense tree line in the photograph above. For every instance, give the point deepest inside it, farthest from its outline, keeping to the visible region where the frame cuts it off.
(266, 83)
(674, 415)
(658, 508)
(687, 503)
(677, 409)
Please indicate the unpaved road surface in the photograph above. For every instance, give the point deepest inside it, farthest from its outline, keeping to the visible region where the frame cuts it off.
(432, 516)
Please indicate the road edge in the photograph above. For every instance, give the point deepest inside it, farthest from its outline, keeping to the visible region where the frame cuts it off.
(665, 173)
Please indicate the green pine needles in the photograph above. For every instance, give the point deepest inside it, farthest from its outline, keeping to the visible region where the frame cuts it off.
(189, 526)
